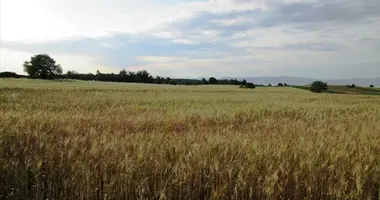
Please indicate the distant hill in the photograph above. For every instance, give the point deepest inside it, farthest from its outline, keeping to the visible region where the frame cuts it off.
(274, 80)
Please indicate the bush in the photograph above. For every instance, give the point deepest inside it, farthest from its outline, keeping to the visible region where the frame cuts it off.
(318, 86)
(173, 82)
(371, 86)
(250, 85)
(351, 86)
(9, 75)
(280, 85)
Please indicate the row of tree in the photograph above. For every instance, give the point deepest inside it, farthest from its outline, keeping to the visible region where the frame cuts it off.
(42, 66)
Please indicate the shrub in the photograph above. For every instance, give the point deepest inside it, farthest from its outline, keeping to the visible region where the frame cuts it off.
(351, 86)
(9, 75)
(188, 83)
(318, 86)
(371, 86)
(280, 85)
(250, 85)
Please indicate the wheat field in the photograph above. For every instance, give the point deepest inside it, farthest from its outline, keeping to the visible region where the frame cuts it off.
(92, 140)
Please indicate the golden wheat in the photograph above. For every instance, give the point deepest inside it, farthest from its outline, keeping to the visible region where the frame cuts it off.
(91, 140)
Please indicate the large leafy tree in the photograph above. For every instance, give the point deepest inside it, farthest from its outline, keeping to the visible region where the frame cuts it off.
(213, 81)
(42, 66)
(318, 86)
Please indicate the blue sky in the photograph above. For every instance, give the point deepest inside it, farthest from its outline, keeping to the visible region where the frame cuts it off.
(308, 38)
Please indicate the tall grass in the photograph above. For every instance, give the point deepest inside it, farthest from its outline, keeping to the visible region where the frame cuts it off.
(161, 142)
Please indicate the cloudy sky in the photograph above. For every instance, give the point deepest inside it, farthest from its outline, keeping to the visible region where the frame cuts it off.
(195, 38)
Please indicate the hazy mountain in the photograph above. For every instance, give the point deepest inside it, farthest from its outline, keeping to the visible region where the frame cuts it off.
(274, 80)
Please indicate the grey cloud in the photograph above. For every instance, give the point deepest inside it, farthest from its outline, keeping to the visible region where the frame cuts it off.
(302, 15)
(344, 11)
(313, 46)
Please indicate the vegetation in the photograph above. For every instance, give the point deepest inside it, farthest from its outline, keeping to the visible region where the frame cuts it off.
(280, 85)
(318, 86)
(42, 66)
(212, 81)
(250, 85)
(9, 75)
(371, 86)
(351, 86)
(101, 140)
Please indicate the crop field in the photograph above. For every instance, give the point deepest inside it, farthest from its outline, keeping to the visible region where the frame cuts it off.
(93, 140)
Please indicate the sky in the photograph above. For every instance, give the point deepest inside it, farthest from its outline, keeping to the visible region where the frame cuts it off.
(196, 38)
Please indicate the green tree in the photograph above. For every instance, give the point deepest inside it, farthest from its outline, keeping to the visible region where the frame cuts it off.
(371, 86)
(318, 86)
(173, 82)
(9, 75)
(213, 81)
(204, 81)
(42, 66)
(280, 85)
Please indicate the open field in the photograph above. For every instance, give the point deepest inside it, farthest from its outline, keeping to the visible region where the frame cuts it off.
(92, 140)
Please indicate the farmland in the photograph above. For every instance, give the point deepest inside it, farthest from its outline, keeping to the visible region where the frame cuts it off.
(93, 140)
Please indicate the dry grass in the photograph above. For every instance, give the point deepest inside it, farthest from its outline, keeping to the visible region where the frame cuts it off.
(83, 140)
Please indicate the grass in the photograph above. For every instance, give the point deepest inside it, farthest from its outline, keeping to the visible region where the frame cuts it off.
(92, 140)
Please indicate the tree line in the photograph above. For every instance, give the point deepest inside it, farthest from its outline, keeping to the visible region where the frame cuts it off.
(42, 66)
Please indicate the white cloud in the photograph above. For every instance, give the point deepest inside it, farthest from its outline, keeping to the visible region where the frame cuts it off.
(195, 38)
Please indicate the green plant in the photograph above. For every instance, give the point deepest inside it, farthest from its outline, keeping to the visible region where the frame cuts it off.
(42, 66)
(318, 86)
(250, 85)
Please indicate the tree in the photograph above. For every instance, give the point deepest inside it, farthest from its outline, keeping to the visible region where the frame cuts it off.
(318, 86)
(204, 81)
(286, 85)
(168, 81)
(173, 82)
(371, 86)
(9, 75)
(213, 81)
(72, 75)
(269, 85)
(42, 66)
(280, 85)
